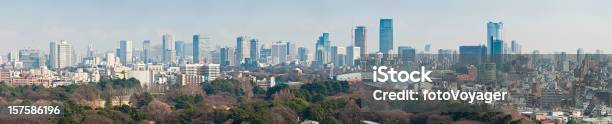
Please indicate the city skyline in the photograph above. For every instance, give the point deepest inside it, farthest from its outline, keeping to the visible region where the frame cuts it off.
(538, 22)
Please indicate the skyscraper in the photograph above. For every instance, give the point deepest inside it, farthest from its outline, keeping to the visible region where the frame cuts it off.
(303, 54)
(90, 51)
(516, 48)
(580, 56)
(494, 32)
(291, 51)
(168, 49)
(352, 54)
(146, 51)
(427, 48)
(60, 54)
(13, 56)
(279, 52)
(226, 55)
(125, 49)
(360, 38)
(323, 48)
(386, 36)
(179, 46)
(200, 48)
(242, 49)
(265, 54)
(338, 55)
(254, 49)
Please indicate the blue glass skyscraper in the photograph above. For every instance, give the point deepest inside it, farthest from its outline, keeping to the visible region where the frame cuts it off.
(360, 37)
(196, 48)
(494, 32)
(386, 36)
(323, 48)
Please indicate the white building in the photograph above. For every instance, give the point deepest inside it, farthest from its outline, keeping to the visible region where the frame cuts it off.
(279, 52)
(60, 54)
(210, 72)
(145, 76)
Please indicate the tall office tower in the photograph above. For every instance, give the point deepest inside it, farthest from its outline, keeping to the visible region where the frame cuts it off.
(76, 57)
(580, 56)
(227, 56)
(254, 49)
(322, 49)
(516, 48)
(215, 57)
(168, 49)
(223, 57)
(200, 47)
(179, 46)
(279, 52)
(31, 58)
(494, 33)
(360, 37)
(352, 54)
(242, 49)
(338, 55)
(472, 55)
(90, 51)
(406, 53)
(291, 51)
(265, 54)
(303, 54)
(13, 56)
(196, 53)
(146, 51)
(60, 54)
(386, 36)
(52, 55)
(125, 52)
(428, 48)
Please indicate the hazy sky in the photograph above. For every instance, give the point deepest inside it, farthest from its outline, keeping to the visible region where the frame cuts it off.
(546, 25)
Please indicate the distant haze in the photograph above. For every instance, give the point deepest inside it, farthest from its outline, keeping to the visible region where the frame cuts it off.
(546, 25)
